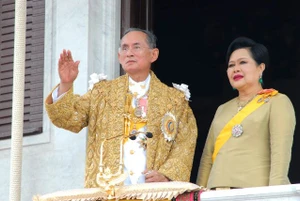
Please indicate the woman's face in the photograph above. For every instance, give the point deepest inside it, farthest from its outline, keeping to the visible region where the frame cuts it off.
(243, 72)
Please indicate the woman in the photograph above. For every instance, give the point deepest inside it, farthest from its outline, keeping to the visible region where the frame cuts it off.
(250, 138)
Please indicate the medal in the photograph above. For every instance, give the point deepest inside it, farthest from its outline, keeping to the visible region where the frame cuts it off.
(237, 130)
(138, 112)
(169, 126)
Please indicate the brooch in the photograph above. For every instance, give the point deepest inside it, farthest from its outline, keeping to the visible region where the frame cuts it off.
(169, 126)
(237, 130)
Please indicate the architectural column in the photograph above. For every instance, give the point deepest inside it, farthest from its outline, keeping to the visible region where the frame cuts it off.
(104, 36)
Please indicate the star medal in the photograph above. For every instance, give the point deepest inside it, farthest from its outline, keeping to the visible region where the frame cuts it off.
(169, 127)
(237, 130)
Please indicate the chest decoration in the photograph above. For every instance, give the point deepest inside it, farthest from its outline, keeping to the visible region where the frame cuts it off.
(140, 105)
(96, 78)
(169, 126)
(237, 130)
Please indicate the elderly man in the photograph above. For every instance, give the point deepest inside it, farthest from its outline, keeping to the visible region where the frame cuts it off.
(148, 127)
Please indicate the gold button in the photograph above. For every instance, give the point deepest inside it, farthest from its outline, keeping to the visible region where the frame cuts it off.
(131, 151)
(131, 173)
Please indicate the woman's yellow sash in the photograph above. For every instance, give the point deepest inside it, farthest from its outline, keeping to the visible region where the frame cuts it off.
(262, 97)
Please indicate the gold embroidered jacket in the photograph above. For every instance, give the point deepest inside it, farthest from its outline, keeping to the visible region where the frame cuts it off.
(102, 110)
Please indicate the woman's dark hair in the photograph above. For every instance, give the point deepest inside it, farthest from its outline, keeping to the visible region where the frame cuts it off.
(258, 51)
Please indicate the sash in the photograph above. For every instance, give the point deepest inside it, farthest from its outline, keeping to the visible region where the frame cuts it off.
(262, 97)
(131, 123)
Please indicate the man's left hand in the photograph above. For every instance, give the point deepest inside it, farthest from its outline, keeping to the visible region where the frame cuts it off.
(154, 176)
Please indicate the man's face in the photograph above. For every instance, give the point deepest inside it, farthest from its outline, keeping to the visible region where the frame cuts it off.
(135, 55)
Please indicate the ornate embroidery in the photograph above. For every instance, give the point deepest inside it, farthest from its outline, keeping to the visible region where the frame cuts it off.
(102, 109)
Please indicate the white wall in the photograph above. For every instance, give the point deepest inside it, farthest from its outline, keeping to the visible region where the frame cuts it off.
(55, 159)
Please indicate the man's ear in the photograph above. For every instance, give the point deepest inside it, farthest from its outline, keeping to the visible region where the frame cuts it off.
(119, 57)
(154, 56)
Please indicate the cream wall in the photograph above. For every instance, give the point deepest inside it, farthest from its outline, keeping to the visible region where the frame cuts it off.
(55, 159)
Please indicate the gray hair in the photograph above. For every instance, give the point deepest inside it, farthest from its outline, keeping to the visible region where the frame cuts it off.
(151, 38)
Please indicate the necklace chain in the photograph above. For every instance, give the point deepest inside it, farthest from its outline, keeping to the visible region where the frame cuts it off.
(241, 105)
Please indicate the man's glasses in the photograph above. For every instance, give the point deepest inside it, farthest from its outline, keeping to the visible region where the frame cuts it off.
(136, 49)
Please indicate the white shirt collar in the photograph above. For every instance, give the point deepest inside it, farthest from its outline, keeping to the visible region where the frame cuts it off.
(140, 88)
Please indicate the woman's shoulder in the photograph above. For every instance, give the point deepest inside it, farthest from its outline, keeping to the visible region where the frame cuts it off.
(281, 106)
(276, 98)
(228, 102)
(274, 94)
(281, 98)
(227, 106)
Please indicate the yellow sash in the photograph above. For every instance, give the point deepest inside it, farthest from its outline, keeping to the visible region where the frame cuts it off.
(225, 133)
(130, 122)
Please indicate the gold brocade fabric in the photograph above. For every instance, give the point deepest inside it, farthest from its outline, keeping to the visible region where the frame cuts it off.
(102, 110)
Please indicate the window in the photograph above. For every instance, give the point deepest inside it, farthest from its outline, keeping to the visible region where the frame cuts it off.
(34, 72)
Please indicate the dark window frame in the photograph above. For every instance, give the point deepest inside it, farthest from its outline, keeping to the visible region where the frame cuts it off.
(34, 67)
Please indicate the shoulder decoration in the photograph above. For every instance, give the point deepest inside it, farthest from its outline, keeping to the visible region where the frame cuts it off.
(96, 78)
(266, 94)
(184, 88)
(169, 126)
